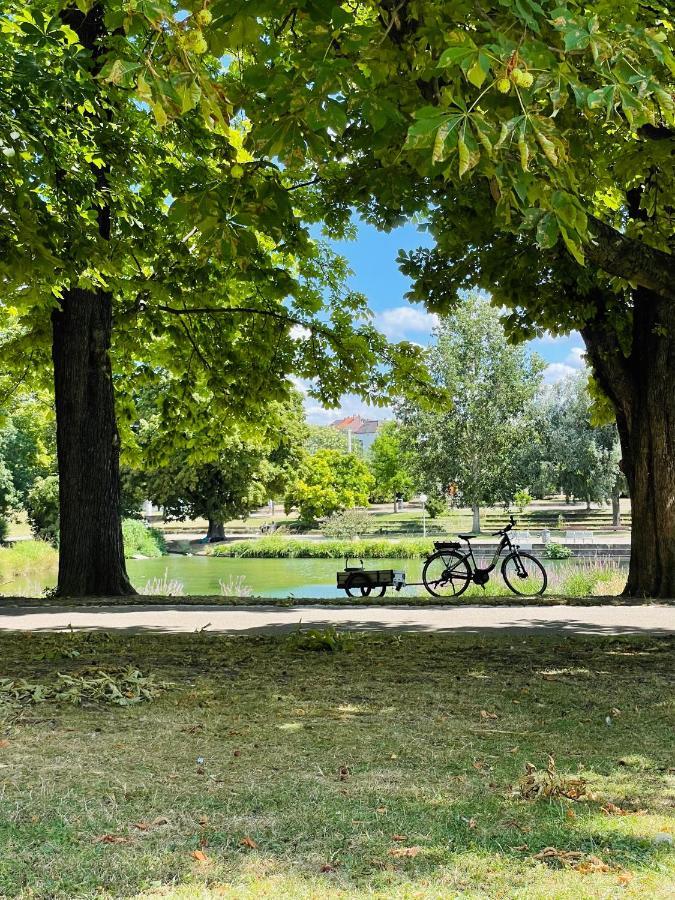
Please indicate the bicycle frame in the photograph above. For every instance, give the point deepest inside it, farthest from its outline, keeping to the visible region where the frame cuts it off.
(505, 543)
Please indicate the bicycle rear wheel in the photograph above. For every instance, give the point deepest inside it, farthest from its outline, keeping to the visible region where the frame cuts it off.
(524, 574)
(446, 574)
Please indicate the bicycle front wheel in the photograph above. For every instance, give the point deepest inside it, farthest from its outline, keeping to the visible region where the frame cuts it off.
(446, 574)
(524, 575)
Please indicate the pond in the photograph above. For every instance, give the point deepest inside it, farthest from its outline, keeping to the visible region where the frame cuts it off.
(299, 578)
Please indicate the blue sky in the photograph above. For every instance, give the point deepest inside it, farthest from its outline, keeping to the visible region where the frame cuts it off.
(372, 257)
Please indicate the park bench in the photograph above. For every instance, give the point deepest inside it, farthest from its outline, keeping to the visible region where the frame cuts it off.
(579, 537)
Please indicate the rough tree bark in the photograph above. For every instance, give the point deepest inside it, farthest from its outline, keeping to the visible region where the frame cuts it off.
(91, 554)
(642, 389)
(216, 531)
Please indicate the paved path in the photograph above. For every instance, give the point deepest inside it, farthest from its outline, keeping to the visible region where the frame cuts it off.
(271, 620)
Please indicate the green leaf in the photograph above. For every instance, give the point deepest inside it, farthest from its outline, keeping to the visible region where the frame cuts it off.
(547, 231)
(455, 55)
(469, 154)
(476, 74)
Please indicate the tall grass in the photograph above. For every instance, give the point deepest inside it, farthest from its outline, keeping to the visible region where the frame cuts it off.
(27, 558)
(290, 548)
(139, 540)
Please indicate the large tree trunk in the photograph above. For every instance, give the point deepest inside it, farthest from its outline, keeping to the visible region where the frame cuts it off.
(91, 554)
(216, 531)
(642, 389)
(475, 511)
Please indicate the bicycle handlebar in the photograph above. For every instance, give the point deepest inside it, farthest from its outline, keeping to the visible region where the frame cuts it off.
(512, 522)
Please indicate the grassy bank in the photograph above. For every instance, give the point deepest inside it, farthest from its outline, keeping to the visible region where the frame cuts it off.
(139, 540)
(390, 767)
(296, 548)
(27, 558)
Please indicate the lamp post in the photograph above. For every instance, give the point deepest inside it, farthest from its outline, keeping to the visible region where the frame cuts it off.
(423, 498)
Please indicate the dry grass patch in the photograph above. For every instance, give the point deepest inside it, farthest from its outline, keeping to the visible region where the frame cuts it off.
(269, 767)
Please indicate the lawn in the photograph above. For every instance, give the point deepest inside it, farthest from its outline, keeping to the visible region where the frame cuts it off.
(389, 766)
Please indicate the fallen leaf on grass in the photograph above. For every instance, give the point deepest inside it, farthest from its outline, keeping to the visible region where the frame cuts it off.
(398, 837)
(112, 839)
(611, 809)
(484, 714)
(343, 773)
(625, 878)
(573, 859)
(521, 848)
(200, 856)
(141, 826)
(571, 814)
(405, 851)
(4, 743)
(249, 842)
(535, 784)
(327, 868)
(381, 810)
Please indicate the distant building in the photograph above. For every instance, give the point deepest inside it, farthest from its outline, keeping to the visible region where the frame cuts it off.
(364, 430)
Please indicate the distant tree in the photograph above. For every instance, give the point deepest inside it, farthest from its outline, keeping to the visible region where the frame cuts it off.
(585, 457)
(224, 470)
(28, 442)
(389, 464)
(330, 481)
(323, 437)
(475, 443)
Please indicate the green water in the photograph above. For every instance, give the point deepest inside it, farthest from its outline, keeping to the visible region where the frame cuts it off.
(201, 575)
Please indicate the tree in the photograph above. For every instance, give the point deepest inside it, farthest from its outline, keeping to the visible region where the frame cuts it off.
(584, 457)
(536, 140)
(323, 437)
(228, 470)
(475, 443)
(388, 464)
(330, 481)
(27, 442)
(169, 225)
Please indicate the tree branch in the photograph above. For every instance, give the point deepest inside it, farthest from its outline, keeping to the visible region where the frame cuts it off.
(638, 263)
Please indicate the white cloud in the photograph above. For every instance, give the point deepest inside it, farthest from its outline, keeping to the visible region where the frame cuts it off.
(576, 357)
(400, 321)
(557, 371)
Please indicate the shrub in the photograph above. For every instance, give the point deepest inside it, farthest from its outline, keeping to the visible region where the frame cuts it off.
(290, 548)
(139, 540)
(26, 558)
(557, 551)
(347, 524)
(436, 505)
(42, 508)
(522, 499)
(4, 528)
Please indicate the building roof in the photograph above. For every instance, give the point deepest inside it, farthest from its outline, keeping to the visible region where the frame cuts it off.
(356, 425)
(370, 426)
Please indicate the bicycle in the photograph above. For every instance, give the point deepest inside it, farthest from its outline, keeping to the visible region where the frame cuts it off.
(448, 572)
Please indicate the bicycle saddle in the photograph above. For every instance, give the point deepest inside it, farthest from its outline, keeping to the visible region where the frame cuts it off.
(467, 537)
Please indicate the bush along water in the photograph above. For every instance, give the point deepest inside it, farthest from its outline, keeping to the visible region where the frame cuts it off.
(280, 548)
(139, 540)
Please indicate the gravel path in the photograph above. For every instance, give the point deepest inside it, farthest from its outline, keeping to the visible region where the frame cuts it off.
(269, 620)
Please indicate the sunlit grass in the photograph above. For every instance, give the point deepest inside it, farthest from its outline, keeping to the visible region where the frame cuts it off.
(307, 774)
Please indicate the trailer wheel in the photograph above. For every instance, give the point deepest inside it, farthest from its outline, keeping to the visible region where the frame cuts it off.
(358, 585)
